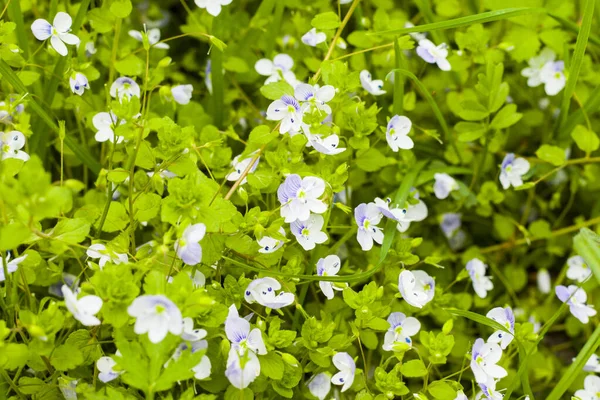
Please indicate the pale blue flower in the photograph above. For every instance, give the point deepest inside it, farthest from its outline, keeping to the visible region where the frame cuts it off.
(288, 111)
(78, 83)
(263, 292)
(512, 171)
(578, 269)
(279, 68)
(416, 287)
(329, 266)
(84, 309)
(308, 233)
(506, 318)
(400, 331)
(433, 54)
(300, 196)
(481, 283)
(320, 385)
(484, 360)
(182, 94)
(57, 32)
(124, 87)
(367, 216)
(156, 315)
(576, 298)
(375, 87)
(313, 38)
(153, 38)
(444, 184)
(188, 247)
(450, 224)
(347, 368)
(397, 132)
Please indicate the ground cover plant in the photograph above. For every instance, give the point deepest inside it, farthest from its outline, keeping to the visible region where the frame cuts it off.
(323, 199)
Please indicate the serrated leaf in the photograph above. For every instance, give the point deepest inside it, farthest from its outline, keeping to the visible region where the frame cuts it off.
(66, 357)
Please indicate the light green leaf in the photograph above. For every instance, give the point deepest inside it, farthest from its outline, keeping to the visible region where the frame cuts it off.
(552, 154)
(326, 20)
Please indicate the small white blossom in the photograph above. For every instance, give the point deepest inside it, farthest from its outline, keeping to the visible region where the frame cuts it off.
(591, 388)
(488, 390)
(512, 171)
(400, 331)
(99, 251)
(213, 7)
(11, 266)
(544, 283)
(308, 233)
(481, 283)
(153, 38)
(124, 87)
(299, 197)
(279, 68)
(553, 76)
(506, 318)
(578, 269)
(397, 133)
(106, 372)
(592, 364)
(157, 315)
(433, 54)
(367, 216)
(543, 69)
(288, 111)
(57, 32)
(417, 287)
(262, 291)
(314, 96)
(239, 167)
(313, 38)
(84, 309)
(329, 266)
(347, 368)
(375, 87)
(412, 213)
(484, 360)
(327, 146)
(444, 184)
(460, 395)
(417, 36)
(106, 123)
(320, 385)
(78, 83)
(188, 247)
(182, 94)
(576, 298)
(270, 245)
(11, 144)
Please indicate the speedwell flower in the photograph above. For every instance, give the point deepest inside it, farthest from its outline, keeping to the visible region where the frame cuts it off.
(484, 359)
(57, 32)
(575, 298)
(450, 223)
(188, 247)
(327, 146)
(270, 245)
(329, 266)
(592, 364)
(315, 96)
(153, 38)
(553, 76)
(543, 69)
(213, 7)
(84, 309)
(106, 372)
(591, 388)
(262, 291)
(375, 87)
(544, 283)
(11, 266)
(240, 166)
(279, 68)
(481, 283)
(416, 287)
(313, 38)
(367, 216)
(397, 133)
(288, 111)
(433, 54)
(347, 368)
(124, 87)
(309, 233)
(157, 315)
(444, 184)
(506, 318)
(320, 385)
(414, 213)
(400, 331)
(512, 171)
(300, 196)
(78, 83)
(99, 251)
(578, 269)
(11, 144)
(106, 122)
(182, 94)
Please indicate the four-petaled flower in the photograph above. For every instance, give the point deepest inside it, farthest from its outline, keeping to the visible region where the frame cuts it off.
(543, 69)
(153, 38)
(591, 388)
(11, 144)
(78, 83)
(11, 266)
(327, 146)
(397, 133)
(124, 87)
(188, 247)
(329, 266)
(308, 233)
(106, 371)
(300, 196)
(279, 68)
(288, 111)
(58, 32)
(270, 245)
(484, 360)
(433, 54)
(578, 269)
(320, 385)
(444, 184)
(262, 291)
(512, 171)
(315, 96)
(240, 166)
(157, 315)
(506, 318)
(416, 287)
(182, 94)
(375, 87)
(481, 283)
(367, 216)
(313, 38)
(84, 309)
(412, 213)
(398, 336)
(213, 7)
(575, 298)
(100, 251)
(347, 368)
(592, 364)
(106, 122)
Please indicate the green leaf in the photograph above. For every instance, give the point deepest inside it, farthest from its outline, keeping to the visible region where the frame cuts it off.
(441, 390)
(326, 20)
(121, 8)
(275, 90)
(117, 175)
(71, 230)
(413, 369)
(12, 235)
(271, 365)
(146, 206)
(469, 131)
(473, 111)
(371, 160)
(480, 319)
(131, 65)
(552, 154)
(585, 139)
(65, 357)
(587, 245)
(262, 134)
(13, 355)
(506, 117)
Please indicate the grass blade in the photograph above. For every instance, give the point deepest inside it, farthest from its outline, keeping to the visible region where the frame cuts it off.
(577, 366)
(587, 245)
(480, 319)
(573, 27)
(591, 105)
(576, 61)
(83, 154)
(16, 16)
(398, 80)
(488, 16)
